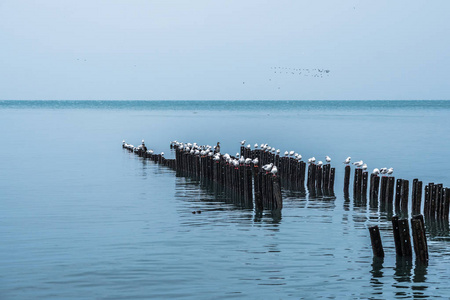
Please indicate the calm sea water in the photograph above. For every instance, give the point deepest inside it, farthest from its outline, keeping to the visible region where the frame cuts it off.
(81, 218)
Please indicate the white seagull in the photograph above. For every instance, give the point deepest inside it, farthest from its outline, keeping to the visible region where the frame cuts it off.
(347, 160)
(328, 159)
(376, 171)
(243, 142)
(274, 170)
(358, 163)
(390, 171)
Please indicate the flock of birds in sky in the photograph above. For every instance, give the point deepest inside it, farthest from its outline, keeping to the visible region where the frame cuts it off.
(237, 160)
(319, 73)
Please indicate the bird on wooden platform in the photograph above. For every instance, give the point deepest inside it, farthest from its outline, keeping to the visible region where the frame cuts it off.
(390, 171)
(255, 161)
(347, 160)
(267, 167)
(278, 151)
(237, 154)
(319, 163)
(376, 171)
(291, 153)
(274, 170)
(299, 157)
(383, 170)
(327, 159)
(243, 142)
(358, 164)
(248, 161)
(162, 153)
(248, 146)
(364, 167)
(286, 153)
(311, 160)
(241, 160)
(256, 146)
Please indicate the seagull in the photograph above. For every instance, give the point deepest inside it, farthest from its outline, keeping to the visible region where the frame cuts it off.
(358, 163)
(278, 151)
(255, 161)
(328, 159)
(248, 146)
(364, 167)
(274, 170)
(347, 160)
(248, 161)
(390, 171)
(299, 157)
(243, 142)
(267, 167)
(242, 160)
(237, 154)
(286, 153)
(383, 170)
(291, 153)
(256, 146)
(320, 163)
(376, 171)
(162, 153)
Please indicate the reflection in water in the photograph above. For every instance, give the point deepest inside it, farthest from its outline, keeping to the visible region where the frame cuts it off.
(377, 274)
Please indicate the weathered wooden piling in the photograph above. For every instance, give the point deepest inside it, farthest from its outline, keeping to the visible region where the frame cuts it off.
(377, 246)
(365, 176)
(346, 179)
(419, 238)
(405, 238)
(390, 194)
(374, 188)
(383, 192)
(405, 195)
(396, 234)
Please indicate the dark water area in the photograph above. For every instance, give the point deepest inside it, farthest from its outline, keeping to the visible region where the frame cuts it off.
(81, 218)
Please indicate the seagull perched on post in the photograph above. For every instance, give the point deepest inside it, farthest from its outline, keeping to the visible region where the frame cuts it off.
(347, 160)
(383, 170)
(256, 146)
(274, 170)
(243, 142)
(267, 167)
(319, 163)
(358, 164)
(255, 161)
(364, 167)
(286, 153)
(376, 171)
(390, 171)
(328, 159)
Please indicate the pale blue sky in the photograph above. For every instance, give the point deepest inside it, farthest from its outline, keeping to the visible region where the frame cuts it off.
(136, 49)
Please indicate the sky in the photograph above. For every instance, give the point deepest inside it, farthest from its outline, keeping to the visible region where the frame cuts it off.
(224, 50)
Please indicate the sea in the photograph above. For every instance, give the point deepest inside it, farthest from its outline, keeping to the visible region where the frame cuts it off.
(82, 218)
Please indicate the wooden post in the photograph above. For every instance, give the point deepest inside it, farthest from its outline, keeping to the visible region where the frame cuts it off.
(331, 184)
(396, 233)
(383, 192)
(278, 201)
(398, 195)
(374, 188)
(419, 238)
(405, 193)
(375, 238)
(390, 194)
(405, 238)
(346, 179)
(365, 176)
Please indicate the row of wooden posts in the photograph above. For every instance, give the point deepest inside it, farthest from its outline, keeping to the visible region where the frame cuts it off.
(392, 195)
(246, 182)
(292, 172)
(402, 239)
